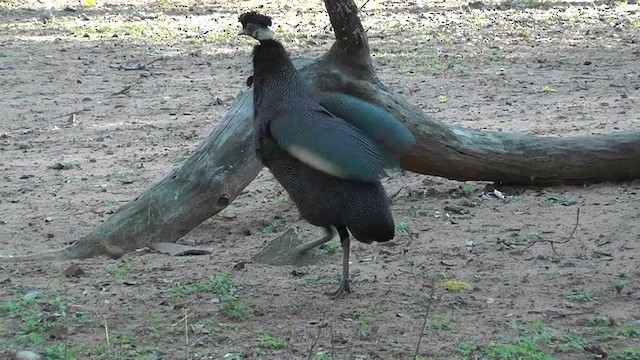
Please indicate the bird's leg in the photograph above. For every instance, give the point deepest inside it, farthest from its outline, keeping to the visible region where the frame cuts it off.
(345, 282)
(329, 234)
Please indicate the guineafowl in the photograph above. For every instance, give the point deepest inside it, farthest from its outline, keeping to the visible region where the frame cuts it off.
(327, 150)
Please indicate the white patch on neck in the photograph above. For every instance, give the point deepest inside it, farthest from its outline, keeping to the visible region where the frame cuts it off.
(262, 34)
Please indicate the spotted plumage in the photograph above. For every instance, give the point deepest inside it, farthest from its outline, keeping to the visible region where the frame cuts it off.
(327, 150)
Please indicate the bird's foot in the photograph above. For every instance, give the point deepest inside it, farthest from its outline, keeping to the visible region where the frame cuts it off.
(342, 291)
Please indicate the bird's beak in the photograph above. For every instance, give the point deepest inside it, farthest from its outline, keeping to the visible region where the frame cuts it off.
(244, 31)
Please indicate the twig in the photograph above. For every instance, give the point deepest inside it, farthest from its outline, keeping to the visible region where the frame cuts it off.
(331, 344)
(556, 315)
(106, 333)
(362, 344)
(186, 333)
(151, 62)
(426, 316)
(362, 6)
(576, 226)
(121, 341)
(552, 242)
(70, 114)
(402, 187)
(566, 240)
(136, 67)
(124, 91)
(315, 341)
(292, 334)
(397, 192)
(66, 320)
(382, 36)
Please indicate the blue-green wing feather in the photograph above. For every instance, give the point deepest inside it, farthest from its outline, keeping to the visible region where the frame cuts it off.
(327, 143)
(376, 123)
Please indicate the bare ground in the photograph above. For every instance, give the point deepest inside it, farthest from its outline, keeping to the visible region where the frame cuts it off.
(87, 125)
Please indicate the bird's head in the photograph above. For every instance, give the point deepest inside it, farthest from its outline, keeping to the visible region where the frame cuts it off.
(256, 25)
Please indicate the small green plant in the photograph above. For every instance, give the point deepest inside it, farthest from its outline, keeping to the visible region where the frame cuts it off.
(629, 331)
(468, 189)
(562, 199)
(155, 325)
(178, 291)
(530, 335)
(524, 239)
(223, 284)
(237, 310)
(224, 287)
(533, 329)
(323, 355)
(441, 323)
(267, 341)
(363, 327)
(233, 307)
(581, 296)
(57, 351)
(496, 56)
(480, 21)
(629, 353)
(477, 230)
(376, 309)
(109, 203)
(533, 237)
(119, 271)
(330, 247)
(571, 342)
(618, 286)
(405, 319)
(532, 3)
(31, 315)
(273, 226)
(283, 199)
(309, 280)
(124, 338)
(467, 350)
(294, 308)
(434, 64)
(522, 350)
(402, 228)
(453, 286)
(600, 321)
(117, 175)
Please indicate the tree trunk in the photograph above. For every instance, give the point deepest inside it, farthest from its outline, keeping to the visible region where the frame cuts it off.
(225, 163)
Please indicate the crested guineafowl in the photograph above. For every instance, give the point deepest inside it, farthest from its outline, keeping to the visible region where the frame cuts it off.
(328, 150)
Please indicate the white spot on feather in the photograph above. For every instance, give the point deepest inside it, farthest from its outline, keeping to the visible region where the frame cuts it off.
(316, 161)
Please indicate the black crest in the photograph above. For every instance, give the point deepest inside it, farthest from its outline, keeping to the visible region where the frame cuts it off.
(254, 18)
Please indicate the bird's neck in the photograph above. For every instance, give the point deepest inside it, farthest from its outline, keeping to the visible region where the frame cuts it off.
(270, 58)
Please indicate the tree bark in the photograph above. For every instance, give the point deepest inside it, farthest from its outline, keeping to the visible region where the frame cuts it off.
(225, 163)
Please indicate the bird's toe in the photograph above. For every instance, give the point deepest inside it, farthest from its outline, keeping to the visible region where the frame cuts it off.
(342, 291)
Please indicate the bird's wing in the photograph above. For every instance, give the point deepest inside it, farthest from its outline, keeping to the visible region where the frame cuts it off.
(327, 143)
(372, 120)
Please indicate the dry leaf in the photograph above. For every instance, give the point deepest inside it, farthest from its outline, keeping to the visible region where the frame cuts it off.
(177, 249)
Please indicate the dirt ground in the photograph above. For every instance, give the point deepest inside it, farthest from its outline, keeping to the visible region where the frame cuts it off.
(99, 102)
